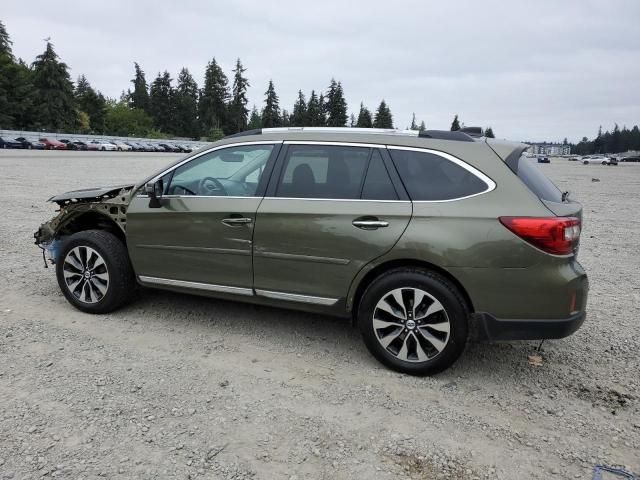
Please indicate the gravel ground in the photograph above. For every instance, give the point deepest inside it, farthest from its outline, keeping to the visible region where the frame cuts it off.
(176, 386)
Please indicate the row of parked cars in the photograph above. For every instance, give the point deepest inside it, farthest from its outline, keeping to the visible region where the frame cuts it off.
(99, 145)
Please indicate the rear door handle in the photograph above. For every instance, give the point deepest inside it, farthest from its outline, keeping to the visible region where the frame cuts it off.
(370, 224)
(236, 221)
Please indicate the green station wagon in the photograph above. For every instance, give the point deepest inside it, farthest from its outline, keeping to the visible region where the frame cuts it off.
(424, 240)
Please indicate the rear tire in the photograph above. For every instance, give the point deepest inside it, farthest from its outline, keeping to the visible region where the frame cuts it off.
(585, 162)
(414, 321)
(94, 272)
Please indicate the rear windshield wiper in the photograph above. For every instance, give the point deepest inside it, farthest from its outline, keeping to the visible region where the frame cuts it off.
(565, 196)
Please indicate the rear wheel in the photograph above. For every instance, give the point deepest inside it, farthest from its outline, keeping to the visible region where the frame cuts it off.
(94, 272)
(585, 162)
(414, 321)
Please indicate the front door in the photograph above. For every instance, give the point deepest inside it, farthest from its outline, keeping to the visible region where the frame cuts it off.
(330, 209)
(201, 236)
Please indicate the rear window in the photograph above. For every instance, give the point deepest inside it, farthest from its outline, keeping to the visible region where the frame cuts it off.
(532, 176)
(431, 177)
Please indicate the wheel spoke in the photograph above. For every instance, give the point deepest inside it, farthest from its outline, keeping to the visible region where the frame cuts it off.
(101, 287)
(418, 297)
(384, 305)
(97, 263)
(386, 340)
(403, 354)
(102, 276)
(73, 260)
(397, 295)
(378, 324)
(435, 307)
(436, 342)
(422, 356)
(444, 327)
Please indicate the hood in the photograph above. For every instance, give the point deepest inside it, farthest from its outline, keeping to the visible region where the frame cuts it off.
(90, 194)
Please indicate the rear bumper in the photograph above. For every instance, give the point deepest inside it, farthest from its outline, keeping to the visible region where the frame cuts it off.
(488, 327)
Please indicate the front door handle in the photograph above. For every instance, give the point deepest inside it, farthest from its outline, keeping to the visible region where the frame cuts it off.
(237, 221)
(370, 224)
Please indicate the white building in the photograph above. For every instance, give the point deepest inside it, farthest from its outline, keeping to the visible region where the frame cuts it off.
(550, 149)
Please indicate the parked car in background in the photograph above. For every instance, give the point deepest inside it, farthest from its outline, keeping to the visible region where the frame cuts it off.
(630, 159)
(103, 145)
(598, 160)
(543, 159)
(6, 142)
(79, 145)
(53, 144)
(424, 240)
(31, 142)
(170, 147)
(185, 148)
(573, 159)
(150, 147)
(122, 146)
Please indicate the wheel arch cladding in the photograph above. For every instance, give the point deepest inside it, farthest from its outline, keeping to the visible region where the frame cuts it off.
(371, 275)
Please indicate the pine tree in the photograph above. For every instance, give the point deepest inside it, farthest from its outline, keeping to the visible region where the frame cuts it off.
(364, 117)
(53, 92)
(323, 110)
(285, 119)
(314, 111)
(488, 132)
(255, 120)
(336, 105)
(422, 127)
(271, 113)
(455, 125)
(299, 116)
(139, 98)
(383, 118)
(161, 106)
(413, 126)
(92, 103)
(5, 42)
(352, 120)
(238, 109)
(186, 106)
(214, 99)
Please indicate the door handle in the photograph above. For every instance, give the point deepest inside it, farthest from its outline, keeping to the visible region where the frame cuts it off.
(236, 221)
(370, 224)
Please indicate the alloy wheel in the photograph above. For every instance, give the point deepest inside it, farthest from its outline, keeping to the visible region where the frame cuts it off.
(86, 274)
(411, 324)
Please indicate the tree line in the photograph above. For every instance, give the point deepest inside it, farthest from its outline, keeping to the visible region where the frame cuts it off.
(616, 141)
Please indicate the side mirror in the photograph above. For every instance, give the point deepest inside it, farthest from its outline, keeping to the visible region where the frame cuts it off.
(154, 190)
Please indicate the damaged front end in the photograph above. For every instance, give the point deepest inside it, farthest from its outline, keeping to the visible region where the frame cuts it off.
(102, 208)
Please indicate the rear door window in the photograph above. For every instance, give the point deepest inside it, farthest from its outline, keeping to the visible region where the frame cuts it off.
(377, 183)
(431, 177)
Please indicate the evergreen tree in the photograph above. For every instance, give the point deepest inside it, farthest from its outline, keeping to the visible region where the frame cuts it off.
(139, 98)
(422, 127)
(615, 145)
(336, 105)
(455, 125)
(364, 117)
(92, 103)
(186, 106)
(255, 120)
(214, 99)
(352, 120)
(488, 132)
(413, 126)
(383, 118)
(271, 112)
(122, 120)
(53, 92)
(314, 111)
(285, 119)
(161, 106)
(323, 111)
(5, 42)
(299, 116)
(238, 109)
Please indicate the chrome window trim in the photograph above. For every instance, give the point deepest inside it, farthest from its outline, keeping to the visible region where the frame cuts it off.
(491, 185)
(195, 285)
(144, 195)
(295, 297)
(213, 149)
(338, 199)
(336, 144)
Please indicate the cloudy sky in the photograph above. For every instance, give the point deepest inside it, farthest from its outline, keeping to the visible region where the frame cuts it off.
(538, 70)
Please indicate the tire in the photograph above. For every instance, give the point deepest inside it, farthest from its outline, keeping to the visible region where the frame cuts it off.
(604, 163)
(113, 284)
(585, 162)
(448, 305)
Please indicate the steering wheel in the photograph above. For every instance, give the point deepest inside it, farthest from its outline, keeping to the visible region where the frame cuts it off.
(211, 186)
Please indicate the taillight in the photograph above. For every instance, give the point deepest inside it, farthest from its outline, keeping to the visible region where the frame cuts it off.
(555, 235)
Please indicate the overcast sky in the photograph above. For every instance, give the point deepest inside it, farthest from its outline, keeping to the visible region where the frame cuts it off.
(538, 70)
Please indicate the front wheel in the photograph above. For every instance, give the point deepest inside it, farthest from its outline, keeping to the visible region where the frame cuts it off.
(414, 321)
(94, 272)
(585, 163)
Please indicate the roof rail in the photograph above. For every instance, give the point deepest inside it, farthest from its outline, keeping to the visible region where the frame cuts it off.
(435, 134)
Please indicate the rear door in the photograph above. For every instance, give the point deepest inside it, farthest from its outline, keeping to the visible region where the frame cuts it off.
(330, 209)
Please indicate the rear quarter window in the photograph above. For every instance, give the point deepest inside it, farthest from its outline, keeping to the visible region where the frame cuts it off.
(532, 176)
(432, 177)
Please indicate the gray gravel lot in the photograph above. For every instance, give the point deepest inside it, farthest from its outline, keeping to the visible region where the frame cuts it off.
(176, 386)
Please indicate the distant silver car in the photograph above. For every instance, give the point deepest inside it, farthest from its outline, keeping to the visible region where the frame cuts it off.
(103, 145)
(121, 146)
(598, 160)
